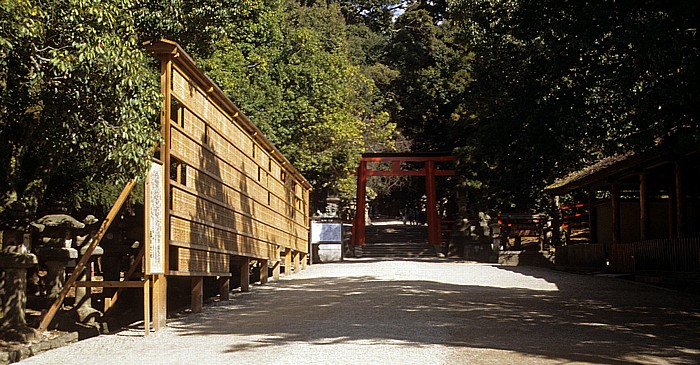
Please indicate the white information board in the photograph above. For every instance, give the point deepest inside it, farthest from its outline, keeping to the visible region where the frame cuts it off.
(326, 232)
(155, 247)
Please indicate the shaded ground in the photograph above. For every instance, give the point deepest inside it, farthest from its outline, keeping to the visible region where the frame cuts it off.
(419, 312)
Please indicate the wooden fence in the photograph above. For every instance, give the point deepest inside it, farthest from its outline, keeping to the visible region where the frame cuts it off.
(231, 193)
(580, 257)
(681, 255)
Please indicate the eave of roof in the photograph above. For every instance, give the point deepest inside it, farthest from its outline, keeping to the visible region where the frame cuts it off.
(609, 168)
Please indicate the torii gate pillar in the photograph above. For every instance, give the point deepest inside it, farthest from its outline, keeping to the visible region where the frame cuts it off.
(358, 226)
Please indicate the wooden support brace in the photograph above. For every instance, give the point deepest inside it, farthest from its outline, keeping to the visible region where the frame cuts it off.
(80, 266)
(276, 270)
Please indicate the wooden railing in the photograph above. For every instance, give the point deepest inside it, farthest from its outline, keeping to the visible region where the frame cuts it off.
(580, 257)
(681, 255)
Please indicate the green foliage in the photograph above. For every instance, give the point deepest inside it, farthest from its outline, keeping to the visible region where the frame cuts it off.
(78, 101)
(298, 83)
(559, 84)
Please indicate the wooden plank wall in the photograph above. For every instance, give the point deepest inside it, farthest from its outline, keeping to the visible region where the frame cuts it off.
(228, 195)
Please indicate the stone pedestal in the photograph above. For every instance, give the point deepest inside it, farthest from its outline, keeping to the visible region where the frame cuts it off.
(56, 260)
(14, 301)
(83, 299)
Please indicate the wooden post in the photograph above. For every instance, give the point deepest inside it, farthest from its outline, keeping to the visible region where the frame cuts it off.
(643, 207)
(197, 291)
(680, 203)
(224, 287)
(592, 219)
(160, 282)
(146, 306)
(615, 205)
(672, 210)
(359, 223)
(287, 261)
(276, 270)
(431, 205)
(264, 272)
(244, 270)
(295, 257)
(80, 266)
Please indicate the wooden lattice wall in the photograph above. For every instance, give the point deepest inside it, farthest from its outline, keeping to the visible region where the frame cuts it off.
(231, 192)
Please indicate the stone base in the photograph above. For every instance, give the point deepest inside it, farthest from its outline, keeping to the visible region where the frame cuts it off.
(526, 258)
(11, 352)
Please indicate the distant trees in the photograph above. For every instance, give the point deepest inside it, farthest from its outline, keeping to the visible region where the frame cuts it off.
(559, 84)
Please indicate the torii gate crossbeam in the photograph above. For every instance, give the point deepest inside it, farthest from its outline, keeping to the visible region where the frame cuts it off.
(430, 171)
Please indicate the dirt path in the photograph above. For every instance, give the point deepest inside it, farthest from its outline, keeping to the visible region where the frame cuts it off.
(419, 312)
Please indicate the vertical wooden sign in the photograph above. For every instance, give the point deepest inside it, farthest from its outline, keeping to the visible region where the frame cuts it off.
(155, 220)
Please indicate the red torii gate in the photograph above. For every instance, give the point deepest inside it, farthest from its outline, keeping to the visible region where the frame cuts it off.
(430, 170)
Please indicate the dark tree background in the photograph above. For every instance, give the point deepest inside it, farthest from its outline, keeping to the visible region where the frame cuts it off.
(521, 91)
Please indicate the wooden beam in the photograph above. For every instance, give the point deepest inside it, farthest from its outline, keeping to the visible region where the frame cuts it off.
(421, 172)
(109, 284)
(138, 260)
(80, 266)
(244, 269)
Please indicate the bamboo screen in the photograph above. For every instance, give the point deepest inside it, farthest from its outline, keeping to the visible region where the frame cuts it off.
(231, 192)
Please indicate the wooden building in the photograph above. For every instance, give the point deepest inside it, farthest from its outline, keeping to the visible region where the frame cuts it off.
(220, 200)
(231, 197)
(644, 211)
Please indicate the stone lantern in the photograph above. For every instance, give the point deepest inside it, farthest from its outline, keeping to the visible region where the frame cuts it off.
(14, 262)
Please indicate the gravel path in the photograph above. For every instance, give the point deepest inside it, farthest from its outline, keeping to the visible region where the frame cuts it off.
(418, 312)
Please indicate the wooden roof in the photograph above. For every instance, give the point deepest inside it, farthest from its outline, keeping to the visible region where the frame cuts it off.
(613, 168)
(163, 48)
